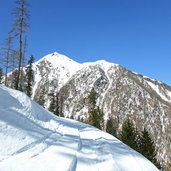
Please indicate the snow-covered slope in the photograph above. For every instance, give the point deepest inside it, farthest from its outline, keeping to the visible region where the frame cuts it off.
(33, 139)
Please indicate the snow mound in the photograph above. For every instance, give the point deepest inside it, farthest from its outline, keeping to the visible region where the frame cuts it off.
(33, 139)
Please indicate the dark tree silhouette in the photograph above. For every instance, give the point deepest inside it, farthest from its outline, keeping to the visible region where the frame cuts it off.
(147, 147)
(128, 134)
(95, 117)
(29, 76)
(20, 27)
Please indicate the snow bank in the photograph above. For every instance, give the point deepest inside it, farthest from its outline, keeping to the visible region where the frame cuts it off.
(33, 139)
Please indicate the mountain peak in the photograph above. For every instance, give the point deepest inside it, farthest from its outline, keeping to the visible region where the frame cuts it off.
(55, 53)
(56, 57)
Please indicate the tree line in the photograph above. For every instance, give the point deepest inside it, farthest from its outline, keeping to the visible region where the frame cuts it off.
(139, 141)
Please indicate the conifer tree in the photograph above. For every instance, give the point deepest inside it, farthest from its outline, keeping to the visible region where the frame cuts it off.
(29, 76)
(41, 98)
(60, 105)
(95, 117)
(57, 107)
(128, 134)
(56, 102)
(111, 126)
(52, 103)
(147, 147)
(92, 99)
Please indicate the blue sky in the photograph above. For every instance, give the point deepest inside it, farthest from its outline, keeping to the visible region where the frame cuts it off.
(133, 33)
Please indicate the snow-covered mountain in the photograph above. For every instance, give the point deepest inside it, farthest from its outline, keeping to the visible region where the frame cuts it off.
(121, 92)
(53, 69)
(33, 139)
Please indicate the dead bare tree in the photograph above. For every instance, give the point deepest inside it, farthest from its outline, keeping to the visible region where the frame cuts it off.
(20, 27)
(6, 56)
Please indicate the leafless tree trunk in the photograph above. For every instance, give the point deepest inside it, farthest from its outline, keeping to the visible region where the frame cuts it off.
(23, 59)
(19, 29)
(6, 59)
(15, 56)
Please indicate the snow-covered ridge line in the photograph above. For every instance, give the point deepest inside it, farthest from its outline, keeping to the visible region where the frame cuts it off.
(63, 61)
(61, 68)
(55, 56)
(164, 94)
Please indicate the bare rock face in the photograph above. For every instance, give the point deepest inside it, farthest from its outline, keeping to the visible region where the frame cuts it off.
(121, 93)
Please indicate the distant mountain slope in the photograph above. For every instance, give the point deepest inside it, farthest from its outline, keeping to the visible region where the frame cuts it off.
(123, 93)
(34, 139)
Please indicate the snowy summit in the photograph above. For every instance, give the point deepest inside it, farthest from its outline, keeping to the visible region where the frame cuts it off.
(33, 139)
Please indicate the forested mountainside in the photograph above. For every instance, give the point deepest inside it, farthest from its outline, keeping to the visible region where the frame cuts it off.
(120, 93)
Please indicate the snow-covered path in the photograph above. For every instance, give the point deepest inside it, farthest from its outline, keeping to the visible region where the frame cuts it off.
(33, 139)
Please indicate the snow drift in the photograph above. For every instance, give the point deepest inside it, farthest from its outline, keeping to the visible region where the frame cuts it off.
(32, 139)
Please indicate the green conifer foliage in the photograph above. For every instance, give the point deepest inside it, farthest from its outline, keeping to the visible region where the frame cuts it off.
(141, 143)
(57, 106)
(111, 126)
(92, 98)
(95, 113)
(41, 98)
(52, 103)
(147, 147)
(128, 134)
(56, 103)
(29, 76)
(96, 118)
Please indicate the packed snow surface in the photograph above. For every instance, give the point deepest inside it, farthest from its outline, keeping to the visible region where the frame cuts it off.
(33, 139)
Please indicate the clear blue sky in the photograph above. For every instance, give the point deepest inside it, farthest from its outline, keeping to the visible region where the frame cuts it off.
(133, 33)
